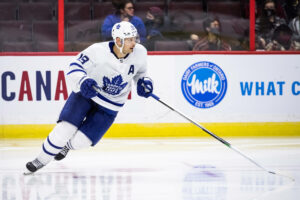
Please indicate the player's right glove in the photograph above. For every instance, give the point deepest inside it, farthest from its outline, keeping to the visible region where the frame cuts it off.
(86, 88)
(144, 87)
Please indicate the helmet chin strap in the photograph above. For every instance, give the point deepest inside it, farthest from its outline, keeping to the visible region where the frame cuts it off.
(120, 48)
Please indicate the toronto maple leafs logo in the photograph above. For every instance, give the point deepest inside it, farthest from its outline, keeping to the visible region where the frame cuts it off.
(115, 86)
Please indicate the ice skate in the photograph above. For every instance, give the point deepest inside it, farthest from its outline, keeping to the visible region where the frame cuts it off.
(62, 154)
(33, 166)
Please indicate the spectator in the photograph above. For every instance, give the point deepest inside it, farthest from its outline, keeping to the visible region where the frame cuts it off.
(295, 25)
(242, 42)
(212, 41)
(194, 38)
(154, 24)
(282, 39)
(267, 23)
(290, 8)
(124, 12)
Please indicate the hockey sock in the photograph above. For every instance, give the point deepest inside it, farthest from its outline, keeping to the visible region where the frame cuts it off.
(56, 140)
(79, 141)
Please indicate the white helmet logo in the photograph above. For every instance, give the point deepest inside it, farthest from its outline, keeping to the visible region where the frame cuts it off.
(124, 30)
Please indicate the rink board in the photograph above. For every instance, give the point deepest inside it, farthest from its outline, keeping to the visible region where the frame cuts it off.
(268, 129)
(262, 96)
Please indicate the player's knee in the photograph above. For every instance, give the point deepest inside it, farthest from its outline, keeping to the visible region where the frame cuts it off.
(63, 131)
(80, 141)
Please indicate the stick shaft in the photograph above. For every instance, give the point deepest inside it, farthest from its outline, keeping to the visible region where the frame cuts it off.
(210, 133)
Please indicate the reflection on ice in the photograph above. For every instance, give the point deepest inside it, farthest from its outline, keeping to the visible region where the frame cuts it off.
(66, 186)
(204, 182)
(260, 182)
(152, 170)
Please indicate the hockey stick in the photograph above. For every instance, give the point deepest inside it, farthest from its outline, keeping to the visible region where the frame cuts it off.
(213, 135)
(217, 137)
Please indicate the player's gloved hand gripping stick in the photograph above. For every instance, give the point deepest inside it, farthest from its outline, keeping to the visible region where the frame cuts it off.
(87, 88)
(144, 87)
(216, 137)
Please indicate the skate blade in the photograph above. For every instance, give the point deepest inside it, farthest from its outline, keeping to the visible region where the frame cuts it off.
(27, 172)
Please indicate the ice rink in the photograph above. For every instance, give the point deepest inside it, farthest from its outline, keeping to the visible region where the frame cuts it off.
(155, 169)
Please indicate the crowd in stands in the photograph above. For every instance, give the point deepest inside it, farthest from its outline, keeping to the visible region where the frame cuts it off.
(198, 25)
(277, 25)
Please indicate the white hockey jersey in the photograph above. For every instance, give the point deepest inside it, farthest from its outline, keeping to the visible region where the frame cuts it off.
(114, 76)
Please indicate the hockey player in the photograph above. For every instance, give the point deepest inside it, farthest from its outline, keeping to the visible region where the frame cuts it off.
(109, 67)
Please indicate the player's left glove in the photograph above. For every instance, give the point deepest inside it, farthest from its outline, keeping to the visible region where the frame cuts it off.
(144, 87)
(86, 88)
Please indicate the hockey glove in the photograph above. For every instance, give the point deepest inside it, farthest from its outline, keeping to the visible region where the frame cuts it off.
(86, 88)
(144, 87)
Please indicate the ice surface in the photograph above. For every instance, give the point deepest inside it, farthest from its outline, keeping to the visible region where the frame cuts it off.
(155, 169)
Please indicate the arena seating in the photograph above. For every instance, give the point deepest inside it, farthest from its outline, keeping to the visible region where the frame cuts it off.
(52, 1)
(76, 46)
(141, 8)
(234, 28)
(80, 0)
(17, 31)
(45, 31)
(37, 11)
(78, 11)
(35, 21)
(83, 30)
(18, 46)
(8, 11)
(45, 46)
(194, 9)
(101, 10)
(137, 1)
(195, 26)
(225, 8)
(171, 46)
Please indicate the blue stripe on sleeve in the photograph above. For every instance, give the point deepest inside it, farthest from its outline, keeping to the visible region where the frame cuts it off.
(81, 79)
(76, 64)
(76, 70)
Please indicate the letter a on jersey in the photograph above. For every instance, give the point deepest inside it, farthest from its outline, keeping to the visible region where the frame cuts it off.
(131, 69)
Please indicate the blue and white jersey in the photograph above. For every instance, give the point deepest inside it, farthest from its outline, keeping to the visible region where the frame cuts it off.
(114, 76)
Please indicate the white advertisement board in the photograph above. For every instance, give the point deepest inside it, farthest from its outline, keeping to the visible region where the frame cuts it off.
(208, 88)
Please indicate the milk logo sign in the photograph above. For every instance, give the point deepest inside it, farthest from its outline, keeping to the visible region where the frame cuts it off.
(204, 84)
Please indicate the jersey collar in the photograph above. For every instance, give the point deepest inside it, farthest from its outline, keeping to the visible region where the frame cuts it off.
(111, 46)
